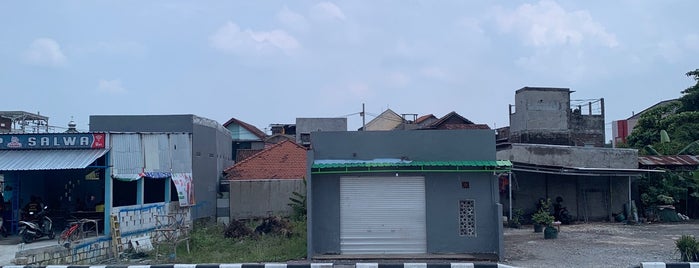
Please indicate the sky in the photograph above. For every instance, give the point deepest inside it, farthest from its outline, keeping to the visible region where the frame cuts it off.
(270, 62)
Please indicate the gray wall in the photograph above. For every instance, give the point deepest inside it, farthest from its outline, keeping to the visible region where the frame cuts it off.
(418, 145)
(567, 156)
(211, 148)
(443, 190)
(308, 125)
(263, 198)
(540, 109)
(592, 196)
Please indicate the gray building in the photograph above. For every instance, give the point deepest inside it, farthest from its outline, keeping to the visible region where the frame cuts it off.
(543, 115)
(594, 183)
(404, 192)
(211, 149)
(304, 127)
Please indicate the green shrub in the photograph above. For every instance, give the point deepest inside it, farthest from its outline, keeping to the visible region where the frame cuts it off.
(688, 248)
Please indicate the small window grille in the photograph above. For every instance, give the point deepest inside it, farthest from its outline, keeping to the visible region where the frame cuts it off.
(467, 217)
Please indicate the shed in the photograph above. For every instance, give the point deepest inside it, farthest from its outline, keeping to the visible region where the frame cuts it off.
(404, 193)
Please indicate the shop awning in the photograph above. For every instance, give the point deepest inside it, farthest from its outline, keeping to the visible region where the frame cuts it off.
(15, 160)
(398, 165)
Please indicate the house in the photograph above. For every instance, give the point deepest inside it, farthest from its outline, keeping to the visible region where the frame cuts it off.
(391, 193)
(593, 182)
(247, 139)
(545, 115)
(555, 147)
(210, 148)
(136, 176)
(261, 185)
(304, 127)
(453, 120)
(621, 129)
(387, 120)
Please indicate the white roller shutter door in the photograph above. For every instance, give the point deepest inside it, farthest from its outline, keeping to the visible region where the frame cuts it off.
(382, 215)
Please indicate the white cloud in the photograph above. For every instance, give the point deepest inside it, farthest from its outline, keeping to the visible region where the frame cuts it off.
(231, 39)
(292, 19)
(111, 86)
(327, 11)
(547, 24)
(45, 52)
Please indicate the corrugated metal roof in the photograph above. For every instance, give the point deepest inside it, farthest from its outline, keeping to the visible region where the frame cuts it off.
(13, 160)
(403, 163)
(669, 160)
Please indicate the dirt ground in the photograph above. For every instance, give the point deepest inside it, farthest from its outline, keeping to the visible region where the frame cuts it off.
(596, 245)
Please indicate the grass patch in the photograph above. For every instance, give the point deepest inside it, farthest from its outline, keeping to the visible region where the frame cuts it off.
(208, 245)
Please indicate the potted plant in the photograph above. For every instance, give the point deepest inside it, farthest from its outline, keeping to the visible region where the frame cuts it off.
(516, 220)
(543, 218)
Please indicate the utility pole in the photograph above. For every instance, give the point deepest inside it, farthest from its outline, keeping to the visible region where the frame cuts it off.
(363, 118)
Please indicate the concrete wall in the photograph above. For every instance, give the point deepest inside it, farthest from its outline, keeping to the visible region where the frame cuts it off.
(442, 193)
(308, 125)
(589, 198)
(566, 156)
(211, 148)
(262, 198)
(540, 109)
(587, 130)
(135, 222)
(443, 190)
(423, 145)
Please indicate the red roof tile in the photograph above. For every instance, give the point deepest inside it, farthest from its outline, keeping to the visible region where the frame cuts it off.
(285, 160)
(424, 117)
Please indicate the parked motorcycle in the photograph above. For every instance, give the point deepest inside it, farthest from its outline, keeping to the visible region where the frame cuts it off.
(40, 226)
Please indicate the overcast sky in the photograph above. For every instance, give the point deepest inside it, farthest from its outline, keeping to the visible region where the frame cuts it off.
(267, 62)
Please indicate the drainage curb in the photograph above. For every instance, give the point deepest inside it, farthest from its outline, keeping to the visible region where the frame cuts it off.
(284, 265)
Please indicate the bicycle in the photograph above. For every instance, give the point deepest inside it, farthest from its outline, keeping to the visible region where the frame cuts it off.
(76, 231)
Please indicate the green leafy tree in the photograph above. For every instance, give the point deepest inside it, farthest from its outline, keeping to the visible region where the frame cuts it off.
(670, 129)
(690, 99)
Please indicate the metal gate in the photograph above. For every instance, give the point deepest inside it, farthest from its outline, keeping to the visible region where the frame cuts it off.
(382, 215)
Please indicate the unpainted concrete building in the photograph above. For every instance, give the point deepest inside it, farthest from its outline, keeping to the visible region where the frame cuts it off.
(543, 115)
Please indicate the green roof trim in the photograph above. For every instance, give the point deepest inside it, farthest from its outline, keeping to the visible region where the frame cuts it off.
(412, 166)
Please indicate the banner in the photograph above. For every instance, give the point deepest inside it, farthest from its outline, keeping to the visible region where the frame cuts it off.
(185, 188)
(52, 141)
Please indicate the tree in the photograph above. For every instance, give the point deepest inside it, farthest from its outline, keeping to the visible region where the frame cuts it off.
(680, 119)
(690, 99)
(670, 129)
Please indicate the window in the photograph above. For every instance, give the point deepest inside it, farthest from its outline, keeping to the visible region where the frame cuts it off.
(467, 218)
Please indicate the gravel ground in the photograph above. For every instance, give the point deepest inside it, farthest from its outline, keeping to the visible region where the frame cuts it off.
(596, 245)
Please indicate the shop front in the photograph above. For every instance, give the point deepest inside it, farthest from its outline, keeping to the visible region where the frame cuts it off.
(63, 171)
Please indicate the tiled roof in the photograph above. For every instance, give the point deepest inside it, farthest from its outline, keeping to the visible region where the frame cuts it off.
(455, 121)
(242, 154)
(254, 130)
(285, 160)
(424, 117)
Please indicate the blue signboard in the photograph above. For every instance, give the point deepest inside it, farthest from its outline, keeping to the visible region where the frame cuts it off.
(52, 141)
